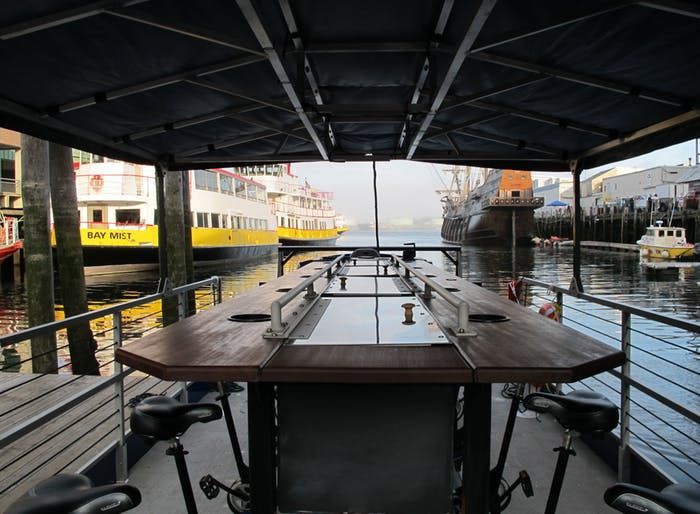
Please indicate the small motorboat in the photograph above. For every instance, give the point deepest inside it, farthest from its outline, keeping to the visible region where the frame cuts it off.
(669, 243)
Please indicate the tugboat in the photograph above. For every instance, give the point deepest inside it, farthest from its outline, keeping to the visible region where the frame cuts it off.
(667, 243)
(489, 207)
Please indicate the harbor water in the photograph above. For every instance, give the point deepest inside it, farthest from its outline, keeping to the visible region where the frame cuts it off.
(665, 358)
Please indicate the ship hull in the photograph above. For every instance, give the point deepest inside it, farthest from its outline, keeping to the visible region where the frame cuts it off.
(300, 237)
(119, 255)
(489, 228)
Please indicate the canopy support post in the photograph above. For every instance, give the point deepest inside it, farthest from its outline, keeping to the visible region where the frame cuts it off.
(576, 285)
(160, 206)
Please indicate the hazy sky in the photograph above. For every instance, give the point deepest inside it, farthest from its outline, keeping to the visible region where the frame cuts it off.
(408, 189)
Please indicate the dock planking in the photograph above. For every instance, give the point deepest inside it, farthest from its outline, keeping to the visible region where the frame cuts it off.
(69, 442)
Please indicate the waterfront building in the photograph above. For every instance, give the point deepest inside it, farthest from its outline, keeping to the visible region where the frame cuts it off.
(665, 183)
(554, 190)
(592, 187)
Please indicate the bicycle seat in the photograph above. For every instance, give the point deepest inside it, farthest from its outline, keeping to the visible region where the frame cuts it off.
(583, 411)
(673, 499)
(72, 494)
(161, 418)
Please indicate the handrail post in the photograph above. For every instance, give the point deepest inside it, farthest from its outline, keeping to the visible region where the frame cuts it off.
(121, 471)
(623, 456)
(216, 289)
(560, 303)
(458, 267)
(280, 262)
(276, 325)
(182, 314)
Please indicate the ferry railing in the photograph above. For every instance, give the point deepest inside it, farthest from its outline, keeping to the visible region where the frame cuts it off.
(634, 394)
(117, 442)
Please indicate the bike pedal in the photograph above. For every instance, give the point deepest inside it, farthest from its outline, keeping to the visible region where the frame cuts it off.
(526, 484)
(209, 487)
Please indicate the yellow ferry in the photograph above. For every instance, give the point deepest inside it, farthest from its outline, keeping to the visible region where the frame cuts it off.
(305, 215)
(117, 202)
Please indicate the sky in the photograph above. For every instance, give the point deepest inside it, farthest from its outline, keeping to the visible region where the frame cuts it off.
(407, 189)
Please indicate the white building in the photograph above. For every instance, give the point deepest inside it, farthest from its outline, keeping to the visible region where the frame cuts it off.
(554, 189)
(668, 183)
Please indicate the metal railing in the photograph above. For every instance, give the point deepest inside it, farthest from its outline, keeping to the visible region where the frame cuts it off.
(279, 328)
(651, 419)
(208, 292)
(429, 286)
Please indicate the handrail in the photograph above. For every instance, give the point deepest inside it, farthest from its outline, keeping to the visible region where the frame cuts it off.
(430, 285)
(624, 375)
(691, 326)
(54, 326)
(116, 380)
(276, 324)
(20, 430)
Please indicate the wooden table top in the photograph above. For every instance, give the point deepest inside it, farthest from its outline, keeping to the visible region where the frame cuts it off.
(528, 348)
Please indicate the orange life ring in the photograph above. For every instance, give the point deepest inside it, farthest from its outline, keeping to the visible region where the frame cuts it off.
(96, 182)
(550, 310)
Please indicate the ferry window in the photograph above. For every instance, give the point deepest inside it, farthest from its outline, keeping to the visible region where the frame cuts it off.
(515, 194)
(226, 184)
(128, 216)
(215, 220)
(224, 221)
(202, 219)
(240, 188)
(252, 192)
(207, 180)
(264, 227)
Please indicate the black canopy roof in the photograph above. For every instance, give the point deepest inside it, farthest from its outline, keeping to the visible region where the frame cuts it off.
(531, 84)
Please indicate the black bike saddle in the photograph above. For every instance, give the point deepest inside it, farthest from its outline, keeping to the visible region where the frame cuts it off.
(673, 499)
(162, 418)
(583, 411)
(75, 494)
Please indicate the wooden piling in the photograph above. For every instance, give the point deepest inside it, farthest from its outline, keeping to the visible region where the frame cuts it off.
(176, 240)
(69, 258)
(37, 247)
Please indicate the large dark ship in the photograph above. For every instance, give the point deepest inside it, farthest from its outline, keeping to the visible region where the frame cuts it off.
(489, 207)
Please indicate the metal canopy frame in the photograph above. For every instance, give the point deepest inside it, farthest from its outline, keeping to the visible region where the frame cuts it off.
(464, 89)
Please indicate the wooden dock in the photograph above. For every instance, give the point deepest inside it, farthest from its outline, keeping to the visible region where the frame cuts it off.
(610, 247)
(68, 443)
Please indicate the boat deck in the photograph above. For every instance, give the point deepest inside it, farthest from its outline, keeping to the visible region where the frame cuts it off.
(586, 479)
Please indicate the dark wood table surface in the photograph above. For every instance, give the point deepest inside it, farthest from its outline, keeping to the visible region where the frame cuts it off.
(528, 348)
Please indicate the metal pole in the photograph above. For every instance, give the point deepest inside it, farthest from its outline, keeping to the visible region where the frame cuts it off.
(623, 462)
(458, 270)
(160, 206)
(576, 284)
(121, 470)
(280, 262)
